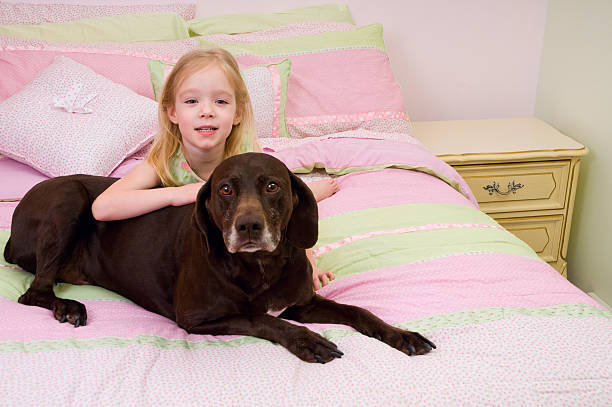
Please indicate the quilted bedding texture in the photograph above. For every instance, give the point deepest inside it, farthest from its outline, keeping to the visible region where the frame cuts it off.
(406, 240)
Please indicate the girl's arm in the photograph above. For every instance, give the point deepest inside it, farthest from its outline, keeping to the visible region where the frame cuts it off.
(137, 193)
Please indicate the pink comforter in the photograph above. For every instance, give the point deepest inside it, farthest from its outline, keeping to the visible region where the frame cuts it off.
(406, 241)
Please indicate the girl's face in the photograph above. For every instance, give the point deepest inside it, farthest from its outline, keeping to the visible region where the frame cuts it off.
(205, 110)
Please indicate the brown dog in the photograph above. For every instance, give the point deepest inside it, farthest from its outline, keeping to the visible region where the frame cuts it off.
(215, 267)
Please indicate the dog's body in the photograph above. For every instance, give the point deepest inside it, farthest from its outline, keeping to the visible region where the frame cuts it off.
(215, 267)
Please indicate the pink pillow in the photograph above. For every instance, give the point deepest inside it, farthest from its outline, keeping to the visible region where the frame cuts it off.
(341, 78)
(70, 120)
(123, 63)
(27, 12)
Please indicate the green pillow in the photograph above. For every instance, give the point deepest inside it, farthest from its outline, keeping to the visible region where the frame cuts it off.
(367, 36)
(120, 28)
(245, 23)
(267, 84)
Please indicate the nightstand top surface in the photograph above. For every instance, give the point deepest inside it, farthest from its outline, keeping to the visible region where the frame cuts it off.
(458, 141)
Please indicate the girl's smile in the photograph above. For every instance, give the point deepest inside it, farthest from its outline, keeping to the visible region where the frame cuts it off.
(206, 131)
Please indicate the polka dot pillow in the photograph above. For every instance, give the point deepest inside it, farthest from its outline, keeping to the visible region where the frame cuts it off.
(71, 120)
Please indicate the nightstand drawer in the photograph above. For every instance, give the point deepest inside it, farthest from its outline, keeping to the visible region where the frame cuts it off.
(542, 233)
(518, 186)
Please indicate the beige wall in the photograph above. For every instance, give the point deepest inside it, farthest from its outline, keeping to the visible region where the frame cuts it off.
(574, 94)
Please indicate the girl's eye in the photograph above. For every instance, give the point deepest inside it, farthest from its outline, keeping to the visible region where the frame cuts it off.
(191, 101)
(222, 102)
(272, 187)
(226, 190)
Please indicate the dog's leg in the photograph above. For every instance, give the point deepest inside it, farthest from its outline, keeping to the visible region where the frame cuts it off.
(45, 236)
(322, 310)
(302, 342)
(40, 293)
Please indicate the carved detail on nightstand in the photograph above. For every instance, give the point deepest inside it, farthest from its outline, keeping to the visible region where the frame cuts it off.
(512, 187)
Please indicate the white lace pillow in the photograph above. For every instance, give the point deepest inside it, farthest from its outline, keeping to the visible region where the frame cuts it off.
(70, 120)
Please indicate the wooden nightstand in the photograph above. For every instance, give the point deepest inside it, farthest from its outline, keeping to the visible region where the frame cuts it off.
(523, 173)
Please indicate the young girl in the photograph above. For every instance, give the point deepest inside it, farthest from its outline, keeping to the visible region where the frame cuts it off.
(205, 116)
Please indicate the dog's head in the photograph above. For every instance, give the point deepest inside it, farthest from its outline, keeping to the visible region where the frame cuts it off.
(253, 201)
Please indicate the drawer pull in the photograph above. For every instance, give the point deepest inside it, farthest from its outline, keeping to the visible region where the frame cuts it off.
(512, 187)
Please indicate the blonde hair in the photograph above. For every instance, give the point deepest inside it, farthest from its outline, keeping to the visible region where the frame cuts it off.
(168, 139)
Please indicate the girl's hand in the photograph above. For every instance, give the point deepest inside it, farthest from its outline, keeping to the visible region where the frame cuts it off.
(321, 278)
(186, 194)
(323, 188)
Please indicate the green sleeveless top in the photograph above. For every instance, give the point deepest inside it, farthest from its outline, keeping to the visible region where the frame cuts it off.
(180, 170)
(182, 174)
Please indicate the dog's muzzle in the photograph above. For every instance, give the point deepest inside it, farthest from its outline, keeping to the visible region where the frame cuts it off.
(249, 233)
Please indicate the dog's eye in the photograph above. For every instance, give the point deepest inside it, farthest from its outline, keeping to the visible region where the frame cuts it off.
(272, 187)
(226, 190)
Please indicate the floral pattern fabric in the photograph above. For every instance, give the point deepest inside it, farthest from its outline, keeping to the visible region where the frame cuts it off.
(181, 171)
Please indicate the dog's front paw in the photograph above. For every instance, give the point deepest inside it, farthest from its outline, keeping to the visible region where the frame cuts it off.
(411, 343)
(310, 346)
(71, 311)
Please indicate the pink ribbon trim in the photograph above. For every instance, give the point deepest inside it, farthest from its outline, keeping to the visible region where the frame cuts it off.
(321, 250)
(347, 118)
(82, 50)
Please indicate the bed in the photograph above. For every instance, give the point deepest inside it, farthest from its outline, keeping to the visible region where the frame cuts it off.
(403, 236)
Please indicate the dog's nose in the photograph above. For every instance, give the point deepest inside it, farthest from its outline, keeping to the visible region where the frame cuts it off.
(249, 224)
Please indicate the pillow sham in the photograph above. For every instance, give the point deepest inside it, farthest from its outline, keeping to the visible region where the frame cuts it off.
(126, 64)
(121, 28)
(340, 79)
(267, 86)
(247, 23)
(70, 120)
(27, 12)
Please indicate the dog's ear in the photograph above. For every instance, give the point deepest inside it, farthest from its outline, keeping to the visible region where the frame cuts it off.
(303, 227)
(201, 217)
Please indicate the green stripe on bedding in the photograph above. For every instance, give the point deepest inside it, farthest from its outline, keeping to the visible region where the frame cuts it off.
(405, 248)
(4, 235)
(248, 23)
(484, 315)
(424, 326)
(120, 28)
(15, 281)
(369, 36)
(337, 227)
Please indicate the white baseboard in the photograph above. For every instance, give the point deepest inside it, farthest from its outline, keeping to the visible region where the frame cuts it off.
(599, 300)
